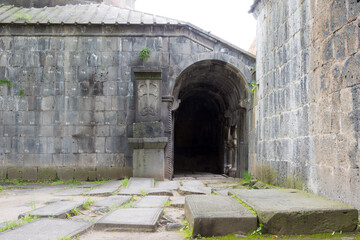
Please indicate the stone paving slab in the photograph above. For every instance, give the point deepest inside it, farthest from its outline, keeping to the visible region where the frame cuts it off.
(112, 201)
(131, 191)
(194, 190)
(151, 202)
(130, 219)
(46, 229)
(288, 211)
(71, 191)
(140, 183)
(223, 192)
(170, 185)
(193, 183)
(178, 202)
(159, 192)
(105, 189)
(149, 191)
(213, 215)
(56, 209)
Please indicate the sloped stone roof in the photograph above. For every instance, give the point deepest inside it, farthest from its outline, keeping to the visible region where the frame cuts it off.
(103, 14)
(80, 14)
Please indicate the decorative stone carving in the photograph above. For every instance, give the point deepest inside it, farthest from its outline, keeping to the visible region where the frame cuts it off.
(148, 90)
(148, 98)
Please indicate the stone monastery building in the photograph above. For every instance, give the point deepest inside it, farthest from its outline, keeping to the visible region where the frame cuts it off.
(99, 90)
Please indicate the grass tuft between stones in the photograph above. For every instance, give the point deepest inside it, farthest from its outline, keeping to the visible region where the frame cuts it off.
(19, 222)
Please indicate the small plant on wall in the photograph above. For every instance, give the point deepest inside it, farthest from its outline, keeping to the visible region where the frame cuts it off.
(145, 54)
(10, 84)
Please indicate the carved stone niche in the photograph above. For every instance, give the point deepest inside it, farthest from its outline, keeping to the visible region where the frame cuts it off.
(148, 90)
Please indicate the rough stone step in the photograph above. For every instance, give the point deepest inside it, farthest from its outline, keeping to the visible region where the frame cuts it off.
(105, 189)
(213, 215)
(140, 183)
(112, 201)
(130, 219)
(45, 229)
(178, 202)
(288, 211)
(151, 202)
(57, 209)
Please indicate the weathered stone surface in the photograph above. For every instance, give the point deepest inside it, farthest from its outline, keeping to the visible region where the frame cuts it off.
(194, 190)
(159, 192)
(174, 226)
(178, 202)
(112, 201)
(140, 183)
(218, 215)
(130, 219)
(71, 191)
(57, 209)
(46, 228)
(149, 157)
(170, 185)
(151, 202)
(148, 129)
(288, 211)
(105, 189)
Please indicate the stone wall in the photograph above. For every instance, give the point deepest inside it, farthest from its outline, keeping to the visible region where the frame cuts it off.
(78, 108)
(307, 128)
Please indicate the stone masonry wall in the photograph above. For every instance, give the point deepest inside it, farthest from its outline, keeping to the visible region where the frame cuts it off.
(78, 108)
(307, 121)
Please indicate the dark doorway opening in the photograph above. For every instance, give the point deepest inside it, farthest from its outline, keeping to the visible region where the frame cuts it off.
(198, 135)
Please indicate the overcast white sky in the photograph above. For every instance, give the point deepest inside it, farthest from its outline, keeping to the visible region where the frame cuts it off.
(227, 19)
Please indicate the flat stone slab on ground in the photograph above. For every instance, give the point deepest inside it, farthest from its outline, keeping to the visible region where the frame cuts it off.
(159, 192)
(45, 229)
(140, 183)
(193, 183)
(151, 202)
(106, 188)
(178, 202)
(213, 215)
(170, 185)
(194, 190)
(57, 209)
(130, 219)
(288, 211)
(71, 191)
(112, 201)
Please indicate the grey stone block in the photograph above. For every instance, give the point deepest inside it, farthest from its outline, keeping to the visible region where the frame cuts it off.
(288, 211)
(112, 201)
(130, 219)
(218, 215)
(44, 229)
(148, 129)
(151, 202)
(105, 189)
(58, 209)
(48, 174)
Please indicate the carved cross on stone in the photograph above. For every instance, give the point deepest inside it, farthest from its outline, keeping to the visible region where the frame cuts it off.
(148, 97)
(148, 90)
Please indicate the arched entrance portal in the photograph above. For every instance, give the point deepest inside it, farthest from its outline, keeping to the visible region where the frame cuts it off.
(210, 124)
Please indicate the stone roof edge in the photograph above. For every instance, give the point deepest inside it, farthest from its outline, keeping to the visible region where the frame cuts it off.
(179, 24)
(208, 34)
(254, 5)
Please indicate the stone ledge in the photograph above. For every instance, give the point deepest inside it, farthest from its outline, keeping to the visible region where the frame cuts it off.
(148, 143)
